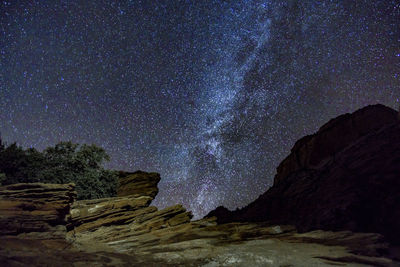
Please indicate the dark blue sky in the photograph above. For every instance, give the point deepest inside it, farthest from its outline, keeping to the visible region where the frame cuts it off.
(211, 94)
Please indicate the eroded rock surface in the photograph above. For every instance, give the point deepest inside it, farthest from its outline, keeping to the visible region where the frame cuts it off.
(205, 243)
(92, 214)
(138, 183)
(35, 210)
(139, 232)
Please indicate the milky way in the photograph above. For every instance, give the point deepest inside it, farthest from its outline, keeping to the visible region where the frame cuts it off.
(210, 94)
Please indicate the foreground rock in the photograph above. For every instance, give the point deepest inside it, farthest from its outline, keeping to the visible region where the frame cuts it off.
(344, 177)
(131, 211)
(137, 233)
(203, 243)
(35, 210)
(92, 214)
(124, 231)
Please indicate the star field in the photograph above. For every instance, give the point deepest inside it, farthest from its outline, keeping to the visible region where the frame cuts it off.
(210, 94)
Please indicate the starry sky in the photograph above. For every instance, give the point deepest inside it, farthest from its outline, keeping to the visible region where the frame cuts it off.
(210, 94)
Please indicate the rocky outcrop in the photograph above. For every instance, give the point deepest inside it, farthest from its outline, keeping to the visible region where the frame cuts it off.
(204, 243)
(92, 214)
(138, 183)
(127, 218)
(35, 210)
(130, 209)
(354, 186)
(146, 228)
(345, 177)
(125, 231)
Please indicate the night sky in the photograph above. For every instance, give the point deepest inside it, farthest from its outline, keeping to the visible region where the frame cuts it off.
(210, 94)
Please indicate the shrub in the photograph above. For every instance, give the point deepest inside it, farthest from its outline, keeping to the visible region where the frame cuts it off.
(66, 162)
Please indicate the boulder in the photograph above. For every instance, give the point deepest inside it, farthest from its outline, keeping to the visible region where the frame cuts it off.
(138, 183)
(35, 210)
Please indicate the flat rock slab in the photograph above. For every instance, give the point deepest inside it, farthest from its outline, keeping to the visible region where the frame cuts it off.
(204, 243)
(92, 214)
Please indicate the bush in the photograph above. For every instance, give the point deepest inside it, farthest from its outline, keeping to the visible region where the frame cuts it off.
(2, 178)
(66, 162)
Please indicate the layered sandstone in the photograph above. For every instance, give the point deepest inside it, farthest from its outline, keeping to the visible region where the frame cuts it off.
(35, 210)
(138, 183)
(92, 214)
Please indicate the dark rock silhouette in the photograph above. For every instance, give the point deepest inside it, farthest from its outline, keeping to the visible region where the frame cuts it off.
(344, 177)
(314, 150)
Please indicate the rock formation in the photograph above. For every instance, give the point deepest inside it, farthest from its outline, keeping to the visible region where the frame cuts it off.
(352, 183)
(168, 236)
(92, 214)
(138, 183)
(344, 177)
(131, 208)
(35, 210)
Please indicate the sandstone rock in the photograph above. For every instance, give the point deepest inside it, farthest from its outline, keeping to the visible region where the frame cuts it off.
(35, 210)
(203, 243)
(138, 183)
(92, 214)
(345, 177)
(132, 210)
(135, 229)
(170, 216)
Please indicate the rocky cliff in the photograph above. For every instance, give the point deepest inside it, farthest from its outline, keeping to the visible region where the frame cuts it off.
(344, 177)
(314, 150)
